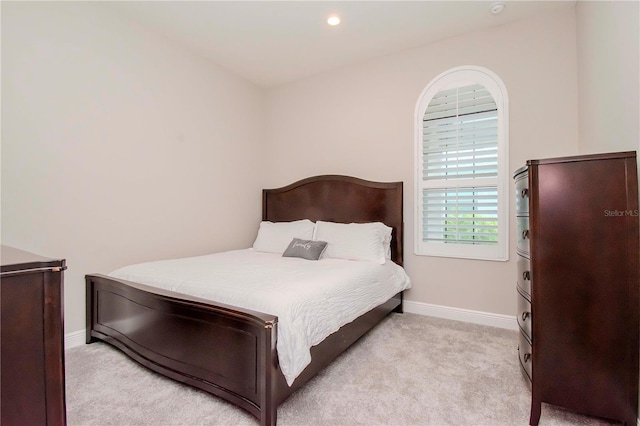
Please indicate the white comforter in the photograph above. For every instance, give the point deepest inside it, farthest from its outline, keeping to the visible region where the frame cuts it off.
(312, 299)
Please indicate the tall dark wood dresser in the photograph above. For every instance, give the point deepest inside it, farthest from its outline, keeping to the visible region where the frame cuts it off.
(31, 339)
(578, 283)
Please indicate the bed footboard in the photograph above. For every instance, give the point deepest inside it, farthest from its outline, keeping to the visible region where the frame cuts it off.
(222, 350)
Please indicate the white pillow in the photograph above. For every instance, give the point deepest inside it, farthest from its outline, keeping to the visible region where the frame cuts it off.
(387, 246)
(354, 241)
(274, 237)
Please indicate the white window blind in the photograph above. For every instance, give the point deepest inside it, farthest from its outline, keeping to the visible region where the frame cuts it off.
(460, 133)
(459, 174)
(460, 142)
(461, 215)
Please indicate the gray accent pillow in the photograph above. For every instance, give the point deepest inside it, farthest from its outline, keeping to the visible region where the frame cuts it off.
(306, 249)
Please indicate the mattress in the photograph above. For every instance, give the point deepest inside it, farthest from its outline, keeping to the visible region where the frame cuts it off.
(311, 299)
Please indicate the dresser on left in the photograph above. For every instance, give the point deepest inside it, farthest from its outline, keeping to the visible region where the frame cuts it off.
(31, 339)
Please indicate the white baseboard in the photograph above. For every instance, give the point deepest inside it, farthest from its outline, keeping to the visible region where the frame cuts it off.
(71, 340)
(458, 314)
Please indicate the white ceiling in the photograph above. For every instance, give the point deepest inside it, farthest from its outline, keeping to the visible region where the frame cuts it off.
(275, 42)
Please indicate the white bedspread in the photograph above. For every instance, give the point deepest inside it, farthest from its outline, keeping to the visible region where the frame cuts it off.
(312, 299)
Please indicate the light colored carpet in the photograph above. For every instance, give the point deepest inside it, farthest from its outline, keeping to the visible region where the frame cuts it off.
(409, 370)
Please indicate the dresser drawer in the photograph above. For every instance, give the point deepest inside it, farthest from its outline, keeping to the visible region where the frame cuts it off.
(523, 233)
(524, 275)
(522, 194)
(524, 354)
(524, 315)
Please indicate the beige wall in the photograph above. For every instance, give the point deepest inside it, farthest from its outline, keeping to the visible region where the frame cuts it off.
(118, 146)
(359, 121)
(608, 75)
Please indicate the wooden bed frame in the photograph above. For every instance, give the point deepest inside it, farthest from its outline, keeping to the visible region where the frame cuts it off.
(228, 351)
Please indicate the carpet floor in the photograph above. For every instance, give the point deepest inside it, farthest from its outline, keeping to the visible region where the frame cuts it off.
(410, 370)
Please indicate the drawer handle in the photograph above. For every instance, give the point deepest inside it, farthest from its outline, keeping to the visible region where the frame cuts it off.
(525, 234)
(527, 357)
(524, 192)
(525, 315)
(526, 275)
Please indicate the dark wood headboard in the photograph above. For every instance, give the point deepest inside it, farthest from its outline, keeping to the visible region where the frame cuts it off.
(336, 198)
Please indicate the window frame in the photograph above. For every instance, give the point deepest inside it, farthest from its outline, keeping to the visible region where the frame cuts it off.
(457, 77)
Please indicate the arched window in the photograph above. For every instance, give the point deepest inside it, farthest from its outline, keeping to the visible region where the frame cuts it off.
(461, 166)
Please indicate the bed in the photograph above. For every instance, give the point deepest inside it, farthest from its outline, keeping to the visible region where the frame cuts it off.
(229, 351)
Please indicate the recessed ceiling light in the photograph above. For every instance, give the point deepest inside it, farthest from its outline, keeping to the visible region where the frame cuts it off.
(497, 8)
(333, 20)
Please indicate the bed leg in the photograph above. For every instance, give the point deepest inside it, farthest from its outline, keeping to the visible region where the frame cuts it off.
(400, 308)
(268, 401)
(89, 310)
(268, 416)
